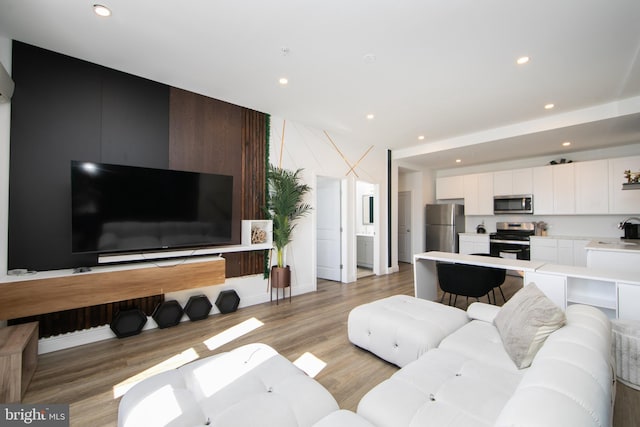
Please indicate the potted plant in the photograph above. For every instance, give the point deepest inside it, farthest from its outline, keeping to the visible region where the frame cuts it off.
(284, 206)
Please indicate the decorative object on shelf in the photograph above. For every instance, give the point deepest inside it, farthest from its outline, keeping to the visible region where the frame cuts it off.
(284, 206)
(560, 162)
(257, 232)
(258, 235)
(633, 180)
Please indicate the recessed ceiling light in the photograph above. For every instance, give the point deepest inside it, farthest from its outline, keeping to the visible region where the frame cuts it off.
(369, 58)
(549, 106)
(101, 10)
(421, 137)
(522, 60)
(566, 143)
(370, 116)
(283, 81)
(458, 160)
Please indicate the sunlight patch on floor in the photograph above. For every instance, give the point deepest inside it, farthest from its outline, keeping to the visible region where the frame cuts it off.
(310, 364)
(232, 333)
(171, 363)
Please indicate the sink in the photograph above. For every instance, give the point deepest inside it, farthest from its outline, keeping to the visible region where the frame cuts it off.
(618, 243)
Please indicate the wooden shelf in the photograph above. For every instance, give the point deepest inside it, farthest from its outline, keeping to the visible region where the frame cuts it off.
(40, 294)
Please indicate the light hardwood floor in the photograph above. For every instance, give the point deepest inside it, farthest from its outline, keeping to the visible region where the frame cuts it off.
(90, 378)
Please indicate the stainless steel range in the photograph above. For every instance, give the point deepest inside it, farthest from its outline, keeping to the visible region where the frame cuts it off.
(511, 240)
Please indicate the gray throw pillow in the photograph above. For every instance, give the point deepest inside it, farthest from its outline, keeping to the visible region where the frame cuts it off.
(525, 322)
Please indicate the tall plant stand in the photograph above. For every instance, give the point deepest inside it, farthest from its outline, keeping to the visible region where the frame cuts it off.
(279, 278)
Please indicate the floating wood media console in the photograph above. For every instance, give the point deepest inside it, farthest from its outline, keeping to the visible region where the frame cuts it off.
(47, 294)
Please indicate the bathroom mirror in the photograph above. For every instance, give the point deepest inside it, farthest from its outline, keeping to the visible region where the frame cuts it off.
(367, 209)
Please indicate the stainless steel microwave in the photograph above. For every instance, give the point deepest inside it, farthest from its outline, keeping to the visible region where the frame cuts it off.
(521, 204)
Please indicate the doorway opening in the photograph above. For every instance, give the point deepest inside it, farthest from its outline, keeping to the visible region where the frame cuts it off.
(365, 228)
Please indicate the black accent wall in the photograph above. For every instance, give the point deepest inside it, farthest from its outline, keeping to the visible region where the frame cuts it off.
(66, 109)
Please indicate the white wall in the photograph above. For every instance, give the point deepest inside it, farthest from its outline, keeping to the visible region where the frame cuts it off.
(309, 148)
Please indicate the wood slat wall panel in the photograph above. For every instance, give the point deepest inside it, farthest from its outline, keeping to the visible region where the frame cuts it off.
(61, 322)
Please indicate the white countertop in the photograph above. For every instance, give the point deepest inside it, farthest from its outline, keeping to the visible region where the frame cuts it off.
(484, 261)
(614, 245)
(566, 237)
(590, 273)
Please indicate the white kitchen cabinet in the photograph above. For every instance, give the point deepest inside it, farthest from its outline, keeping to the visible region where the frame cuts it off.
(609, 256)
(470, 243)
(450, 187)
(623, 201)
(544, 249)
(478, 194)
(503, 183)
(580, 253)
(542, 190)
(564, 200)
(554, 287)
(628, 301)
(592, 187)
(567, 251)
(513, 182)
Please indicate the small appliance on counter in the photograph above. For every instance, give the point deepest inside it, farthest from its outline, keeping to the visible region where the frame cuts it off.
(480, 228)
(631, 231)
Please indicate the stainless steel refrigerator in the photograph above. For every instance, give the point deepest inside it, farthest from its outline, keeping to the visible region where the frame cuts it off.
(444, 222)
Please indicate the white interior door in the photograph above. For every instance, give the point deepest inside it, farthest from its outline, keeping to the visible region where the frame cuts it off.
(328, 229)
(404, 226)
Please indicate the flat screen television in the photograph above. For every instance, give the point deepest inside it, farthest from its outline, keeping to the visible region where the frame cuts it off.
(126, 209)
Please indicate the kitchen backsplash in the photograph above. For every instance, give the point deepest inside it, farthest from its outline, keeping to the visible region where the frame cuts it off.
(558, 225)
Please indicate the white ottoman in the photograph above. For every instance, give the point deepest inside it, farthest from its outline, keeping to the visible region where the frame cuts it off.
(401, 328)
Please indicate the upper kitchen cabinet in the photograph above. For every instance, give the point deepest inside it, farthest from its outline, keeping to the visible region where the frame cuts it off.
(543, 190)
(513, 182)
(623, 201)
(450, 187)
(564, 189)
(592, 187)
(478, 194)
(554, 190)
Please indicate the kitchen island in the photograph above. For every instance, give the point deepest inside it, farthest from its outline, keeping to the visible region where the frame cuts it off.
(614, 254)
(615, 292)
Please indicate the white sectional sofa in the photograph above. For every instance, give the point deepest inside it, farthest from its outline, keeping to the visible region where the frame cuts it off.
(470, 379)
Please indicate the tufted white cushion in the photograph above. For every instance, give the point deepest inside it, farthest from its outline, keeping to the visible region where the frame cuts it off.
(251, 385)
(441, 388)
(399, 329)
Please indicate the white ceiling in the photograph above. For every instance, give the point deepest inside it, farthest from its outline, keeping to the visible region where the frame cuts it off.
(443, 69)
